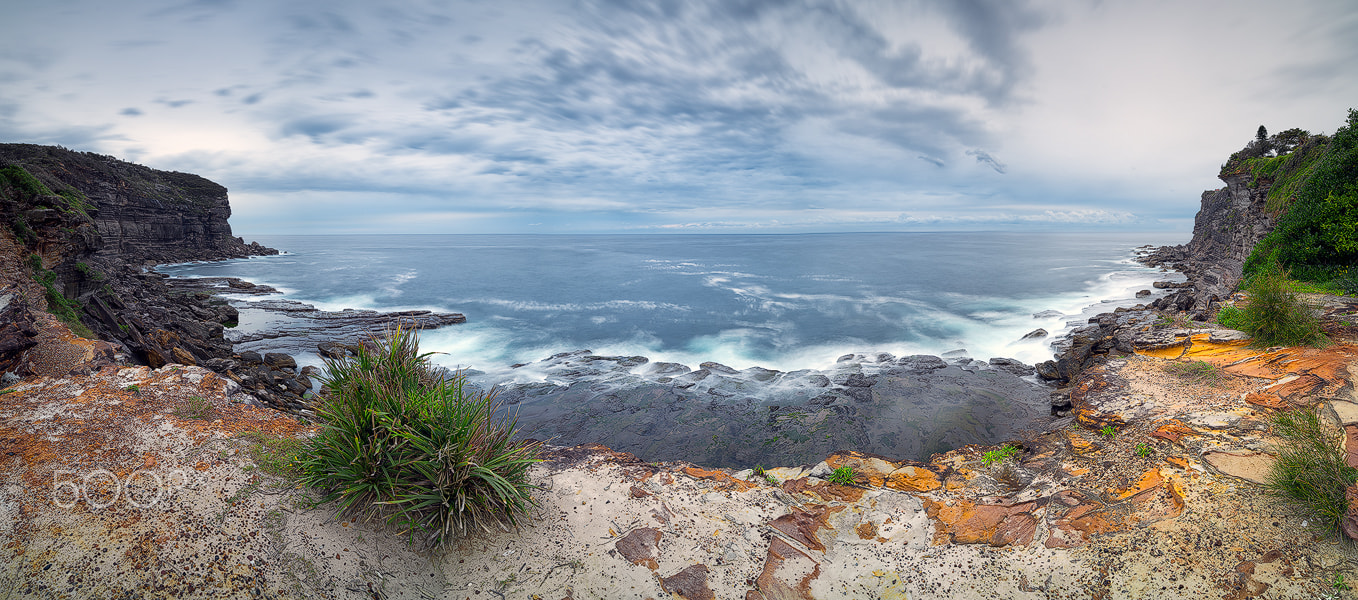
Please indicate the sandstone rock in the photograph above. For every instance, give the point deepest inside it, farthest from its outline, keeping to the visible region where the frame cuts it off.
(639, 547)
(1223, 336)
(1250, 466)
(690, 583)
(1350, 523)
(788, 573)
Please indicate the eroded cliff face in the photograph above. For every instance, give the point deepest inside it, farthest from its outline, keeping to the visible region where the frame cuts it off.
(1230, 222)
(143, 215)
(79, 229)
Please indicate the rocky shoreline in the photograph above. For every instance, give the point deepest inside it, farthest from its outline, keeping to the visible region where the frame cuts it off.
(154, 481)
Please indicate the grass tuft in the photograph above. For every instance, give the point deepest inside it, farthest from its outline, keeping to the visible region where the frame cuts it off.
(842, 476)
(196, 407)
(1276, 315)
(1197, 372)
(1004, 452)
(402, 443)
(275, 455)
(1310, 471)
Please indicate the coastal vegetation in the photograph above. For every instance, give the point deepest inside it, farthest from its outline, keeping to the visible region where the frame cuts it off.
(1313, 191)
(1004, 452)
(402, 442)
(1275, 314)
(65, 309)
(1310, 471)
(842, 476)
(1197, 372)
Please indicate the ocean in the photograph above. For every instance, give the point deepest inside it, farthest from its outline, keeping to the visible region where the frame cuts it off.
(782, 302)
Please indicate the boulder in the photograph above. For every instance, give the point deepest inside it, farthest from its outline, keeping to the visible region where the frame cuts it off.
(278, 360)
(1012, 366)
(1034, 334)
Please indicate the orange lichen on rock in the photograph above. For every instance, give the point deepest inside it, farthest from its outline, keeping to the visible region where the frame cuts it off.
(1172, 431)
(1149, 479)
(726, 481)
(876, 471)
(826, 491)
(965, 522)
(1219, 353)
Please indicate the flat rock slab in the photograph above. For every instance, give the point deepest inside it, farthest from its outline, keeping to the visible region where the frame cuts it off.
(1250, 466)
(1346, 411)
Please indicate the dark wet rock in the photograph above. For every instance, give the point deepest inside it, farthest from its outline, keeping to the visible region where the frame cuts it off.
(669, 368)
(922, 362)
(296, 328)
(1142, 293)
(716, 367)
(278, 360)
(760, 373)
(1034, 334)
(1048, 314)
(958, 353)
(1012, 366)
(902, 408)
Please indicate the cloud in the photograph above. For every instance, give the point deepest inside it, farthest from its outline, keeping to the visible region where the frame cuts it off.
(603, 115)
(984, 158)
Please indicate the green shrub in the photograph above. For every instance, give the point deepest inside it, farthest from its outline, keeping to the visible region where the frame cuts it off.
(1346, 285)
(1310, 471)
(24, 184)
(1277, 316)
(402, 443)
(1232, 317)
(842, 476)
(1004, 452)
(66, 309)
(1317, 235)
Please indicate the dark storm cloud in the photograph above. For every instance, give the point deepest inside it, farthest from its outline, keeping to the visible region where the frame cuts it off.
(130, 112)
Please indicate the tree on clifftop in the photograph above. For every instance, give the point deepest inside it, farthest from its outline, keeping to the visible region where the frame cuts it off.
(1261, 141)
(1316, 239)
(1288, 140)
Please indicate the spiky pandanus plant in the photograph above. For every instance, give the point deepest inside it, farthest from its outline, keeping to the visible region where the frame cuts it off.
(401, 442)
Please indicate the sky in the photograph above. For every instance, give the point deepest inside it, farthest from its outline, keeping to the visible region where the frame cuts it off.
(741, 116)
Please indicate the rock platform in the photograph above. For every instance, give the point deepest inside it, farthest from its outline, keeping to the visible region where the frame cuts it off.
(112, 490)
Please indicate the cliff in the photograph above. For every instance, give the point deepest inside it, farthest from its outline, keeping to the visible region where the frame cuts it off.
(1290, 198)
(80, 227)
(1230, 221)
(142, 215)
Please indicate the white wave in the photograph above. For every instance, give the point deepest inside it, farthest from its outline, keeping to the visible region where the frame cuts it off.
(534, 306)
